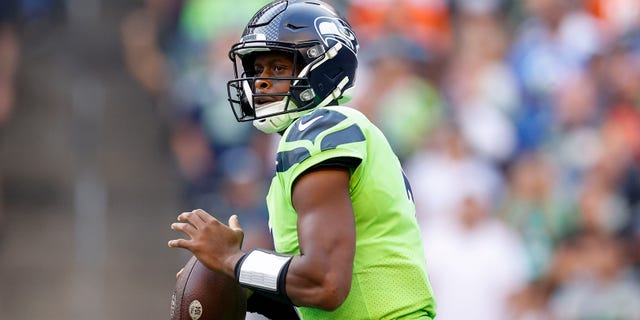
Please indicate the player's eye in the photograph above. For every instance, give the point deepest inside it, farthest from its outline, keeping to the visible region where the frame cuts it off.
(279, 69)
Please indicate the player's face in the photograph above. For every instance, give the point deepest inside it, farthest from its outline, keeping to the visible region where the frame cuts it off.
(273, 65)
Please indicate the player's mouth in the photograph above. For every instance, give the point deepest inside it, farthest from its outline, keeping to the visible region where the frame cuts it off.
(261, 101)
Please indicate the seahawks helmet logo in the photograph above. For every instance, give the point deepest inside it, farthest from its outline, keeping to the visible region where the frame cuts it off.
(335, 29)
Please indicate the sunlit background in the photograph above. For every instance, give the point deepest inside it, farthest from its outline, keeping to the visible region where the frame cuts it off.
(518, 124)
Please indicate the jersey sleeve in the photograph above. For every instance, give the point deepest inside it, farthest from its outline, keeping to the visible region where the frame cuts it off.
(319, 137)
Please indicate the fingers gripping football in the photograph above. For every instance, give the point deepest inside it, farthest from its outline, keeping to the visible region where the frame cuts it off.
(215, 244)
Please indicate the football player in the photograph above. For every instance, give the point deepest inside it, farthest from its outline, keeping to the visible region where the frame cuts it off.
(347, 244)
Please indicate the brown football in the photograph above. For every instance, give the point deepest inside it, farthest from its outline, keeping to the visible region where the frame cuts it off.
(204, 294)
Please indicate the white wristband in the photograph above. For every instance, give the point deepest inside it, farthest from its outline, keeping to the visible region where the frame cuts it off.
(262, 269)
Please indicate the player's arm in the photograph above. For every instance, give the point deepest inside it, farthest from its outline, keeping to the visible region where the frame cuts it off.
(320, 276)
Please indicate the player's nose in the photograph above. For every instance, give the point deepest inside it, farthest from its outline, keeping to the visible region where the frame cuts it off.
(262, 84)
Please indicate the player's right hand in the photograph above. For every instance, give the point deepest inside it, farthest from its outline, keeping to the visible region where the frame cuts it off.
(215, 244)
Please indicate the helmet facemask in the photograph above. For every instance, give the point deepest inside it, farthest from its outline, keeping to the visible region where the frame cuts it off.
(242, 90)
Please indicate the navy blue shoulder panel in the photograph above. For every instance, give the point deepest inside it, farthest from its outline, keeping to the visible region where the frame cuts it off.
(346, 135)
(309, 126)
(286, 159)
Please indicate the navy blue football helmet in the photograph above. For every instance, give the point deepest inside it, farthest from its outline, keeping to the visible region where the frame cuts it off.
(324, 49)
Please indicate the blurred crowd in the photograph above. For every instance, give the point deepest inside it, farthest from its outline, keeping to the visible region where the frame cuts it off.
(9, 60)
(518, 123)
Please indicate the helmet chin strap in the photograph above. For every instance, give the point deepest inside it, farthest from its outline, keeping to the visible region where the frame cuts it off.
(272, 124)
(277, 123)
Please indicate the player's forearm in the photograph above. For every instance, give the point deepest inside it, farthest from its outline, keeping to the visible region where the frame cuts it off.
(311, 285)
(322, 282)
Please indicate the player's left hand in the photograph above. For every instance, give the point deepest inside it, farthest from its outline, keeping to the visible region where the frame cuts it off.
(215, 244)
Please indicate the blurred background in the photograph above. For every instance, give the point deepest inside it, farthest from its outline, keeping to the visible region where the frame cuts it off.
(518, 123)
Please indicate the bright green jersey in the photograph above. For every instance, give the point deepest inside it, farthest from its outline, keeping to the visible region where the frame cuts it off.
(390, 278)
